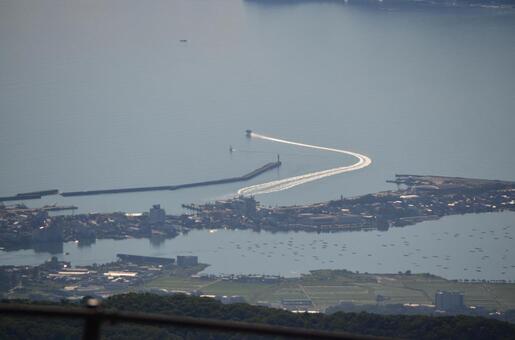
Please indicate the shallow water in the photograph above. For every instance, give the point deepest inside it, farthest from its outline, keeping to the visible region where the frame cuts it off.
(454, 247)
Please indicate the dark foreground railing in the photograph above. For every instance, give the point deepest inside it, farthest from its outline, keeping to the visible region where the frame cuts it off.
(95, 316)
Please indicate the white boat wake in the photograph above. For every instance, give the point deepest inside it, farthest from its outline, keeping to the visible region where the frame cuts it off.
(290, 182)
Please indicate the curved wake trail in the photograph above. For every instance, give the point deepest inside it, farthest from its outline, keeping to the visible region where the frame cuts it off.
(290, 182)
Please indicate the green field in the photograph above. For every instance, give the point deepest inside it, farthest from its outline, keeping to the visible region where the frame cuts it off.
(178, 283)
(327, 288)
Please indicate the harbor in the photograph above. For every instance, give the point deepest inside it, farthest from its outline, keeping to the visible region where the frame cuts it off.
(384, 231)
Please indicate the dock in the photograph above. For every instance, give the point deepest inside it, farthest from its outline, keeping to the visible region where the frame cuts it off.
(246, 177)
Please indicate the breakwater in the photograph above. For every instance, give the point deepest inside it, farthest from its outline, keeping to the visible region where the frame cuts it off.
(30, 195)
(250, 175)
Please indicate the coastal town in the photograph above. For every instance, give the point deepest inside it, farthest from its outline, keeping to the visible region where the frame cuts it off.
(417, 199)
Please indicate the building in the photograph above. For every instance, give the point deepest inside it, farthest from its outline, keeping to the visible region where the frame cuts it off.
(48, 233)
(244, 206)
(328, 219)
(449, 301)
(55, 264)
(187, 261)
(156, 215)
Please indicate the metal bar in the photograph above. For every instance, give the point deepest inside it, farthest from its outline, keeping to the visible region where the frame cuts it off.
(176, 321)
(92, 328)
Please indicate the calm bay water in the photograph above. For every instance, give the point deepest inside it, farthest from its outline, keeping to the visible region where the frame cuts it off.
(458, 247)
(102, 94)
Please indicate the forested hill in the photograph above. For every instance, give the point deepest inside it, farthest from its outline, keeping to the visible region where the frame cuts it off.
(419, 327)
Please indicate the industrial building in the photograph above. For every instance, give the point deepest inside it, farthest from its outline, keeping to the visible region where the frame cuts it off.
(187, 261)
(156, 215)
(449, 301)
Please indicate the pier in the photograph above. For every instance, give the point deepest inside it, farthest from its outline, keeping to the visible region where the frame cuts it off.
(250, 175)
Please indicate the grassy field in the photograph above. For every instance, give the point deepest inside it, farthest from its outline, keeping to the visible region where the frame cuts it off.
(327, 288)
(178, 283)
